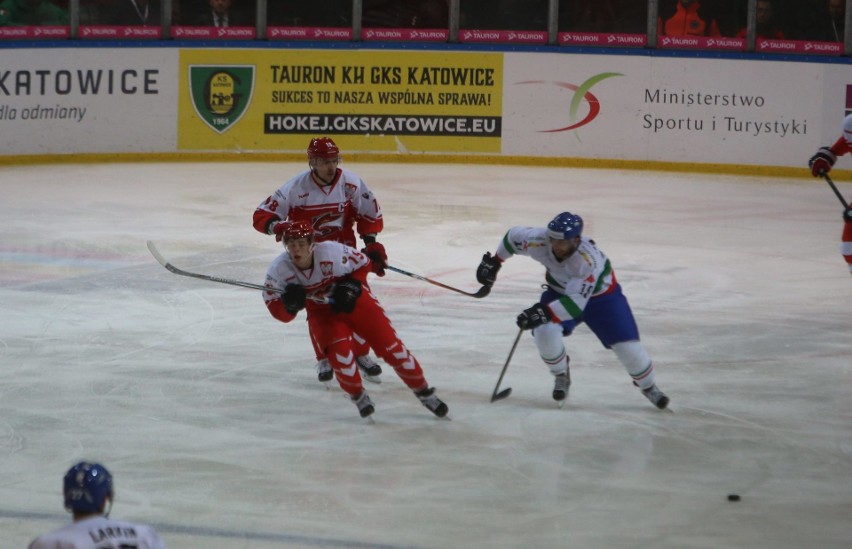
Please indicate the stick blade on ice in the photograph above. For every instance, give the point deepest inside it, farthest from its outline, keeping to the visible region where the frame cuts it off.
(157, 255)
(501, 395)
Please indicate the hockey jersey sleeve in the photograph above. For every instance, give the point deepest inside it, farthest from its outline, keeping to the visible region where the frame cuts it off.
(277, 278)
(844, 144)
(515, 241)
(841, 146)
(368, 213)
(276, 306)
(273, 209)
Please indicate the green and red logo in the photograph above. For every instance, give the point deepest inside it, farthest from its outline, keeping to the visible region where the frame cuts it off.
(581, 95)
(221, 94)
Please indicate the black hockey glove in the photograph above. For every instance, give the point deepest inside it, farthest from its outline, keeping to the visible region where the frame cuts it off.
(487, 271)
(533, 317)
(822, 161)
(344, 295)
(293, 298)
(847, 215)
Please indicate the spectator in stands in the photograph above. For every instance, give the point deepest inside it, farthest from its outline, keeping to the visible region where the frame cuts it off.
(133, 13)
(25, 13)
(419, 14)
(766, 26)
(220, 14)
(688, 18)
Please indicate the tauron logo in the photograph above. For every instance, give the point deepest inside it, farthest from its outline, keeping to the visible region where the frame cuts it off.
(581, 95)
(221, 94)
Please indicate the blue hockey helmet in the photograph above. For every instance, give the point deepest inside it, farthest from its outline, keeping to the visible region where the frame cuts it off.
(564, 226)
(86, 488)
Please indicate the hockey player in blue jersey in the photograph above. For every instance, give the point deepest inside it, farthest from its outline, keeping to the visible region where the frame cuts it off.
(580, 287)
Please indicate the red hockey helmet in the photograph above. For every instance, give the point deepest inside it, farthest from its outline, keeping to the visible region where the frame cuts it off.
(298, 229)
(322, 147)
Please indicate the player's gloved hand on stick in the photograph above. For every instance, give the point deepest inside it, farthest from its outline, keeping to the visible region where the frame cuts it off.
(533, 317)
(344, 295)
(847, 215)
(277, 228)
(293, 298)
(822, 161)
(487, 271)
(376, 252)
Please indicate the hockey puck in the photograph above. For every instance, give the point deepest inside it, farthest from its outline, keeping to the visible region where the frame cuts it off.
(733, 497)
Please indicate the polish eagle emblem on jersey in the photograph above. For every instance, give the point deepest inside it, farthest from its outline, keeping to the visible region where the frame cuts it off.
(326, 268)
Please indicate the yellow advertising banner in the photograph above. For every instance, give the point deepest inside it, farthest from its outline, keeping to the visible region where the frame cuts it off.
(383, 101)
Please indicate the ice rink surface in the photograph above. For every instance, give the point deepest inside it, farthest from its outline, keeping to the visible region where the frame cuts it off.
(210, 417)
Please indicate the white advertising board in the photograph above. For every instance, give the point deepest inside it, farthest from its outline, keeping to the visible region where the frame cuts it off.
(670, 109)
(58, 101)
(87, 100)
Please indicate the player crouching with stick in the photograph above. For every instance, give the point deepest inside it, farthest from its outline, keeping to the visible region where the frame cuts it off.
(329, 280)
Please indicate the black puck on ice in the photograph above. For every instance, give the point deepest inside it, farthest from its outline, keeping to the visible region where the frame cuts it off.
(733, 497)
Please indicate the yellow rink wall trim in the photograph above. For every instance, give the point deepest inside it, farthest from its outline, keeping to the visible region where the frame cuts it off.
(611, 164)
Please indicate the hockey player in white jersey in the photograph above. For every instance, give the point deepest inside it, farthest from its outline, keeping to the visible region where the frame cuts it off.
(87, 488)
(580, 287)
(333, 201)
(329, 281)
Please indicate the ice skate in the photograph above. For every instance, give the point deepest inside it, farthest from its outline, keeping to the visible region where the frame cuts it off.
(561, 383)
(324, 372)
(430, 400)
(369, 369)
(364, 404)
(656, 396)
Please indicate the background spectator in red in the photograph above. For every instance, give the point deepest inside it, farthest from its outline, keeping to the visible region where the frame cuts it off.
(688, 18)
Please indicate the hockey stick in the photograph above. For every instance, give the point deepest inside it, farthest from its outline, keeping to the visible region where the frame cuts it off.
(480, 293)
(171, 268)
(834, 188)
(505, 392)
